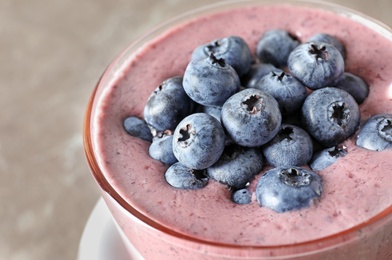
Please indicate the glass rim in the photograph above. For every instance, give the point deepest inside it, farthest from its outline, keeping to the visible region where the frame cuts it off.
(327, 241)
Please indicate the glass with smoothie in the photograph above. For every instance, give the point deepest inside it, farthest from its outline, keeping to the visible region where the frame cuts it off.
(352, 218)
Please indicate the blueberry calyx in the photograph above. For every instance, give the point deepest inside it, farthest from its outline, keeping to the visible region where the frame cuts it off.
(319, 52)
(158, 89)
(295, 178)
(339, 113)
(185, 135)
(285, 133)
(216, 45)
(385, 129)
(338, 151)
(253, 104)
(200, 175)
(278, 75)
(214, 60)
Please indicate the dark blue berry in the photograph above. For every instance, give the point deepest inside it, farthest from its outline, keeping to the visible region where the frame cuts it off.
(316, 64)
(216, 112)
(210, 81)
(286, 89)
(355, 86)
(242, 196)
(292, 146)
(167, 105)
(251, 117)
(275, 47)
(330, 115)
(286, 189)
(161, 148)
(327, 157)
(257, 72)
(237, 166)
(137, 127)
(376, 134)
(182, 177)
(233, 49)
(198, 141)
(327, 38)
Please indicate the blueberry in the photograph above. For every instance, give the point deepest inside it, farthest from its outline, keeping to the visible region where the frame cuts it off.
(210, 81)
(182, 177)
(237, 166)
(251, 117)
(167, 105)
(286, 189)
(198, 141)
(376, 134)
(316, 64)
(327, 157)
(161, 148)
(355, 86)
(275, 47)
(328, 38)
(330, 115)
(137, 127)
(233, 49)
(212, 111)
(286, 89)
(242, 196)
(292, 146)
(257, 72)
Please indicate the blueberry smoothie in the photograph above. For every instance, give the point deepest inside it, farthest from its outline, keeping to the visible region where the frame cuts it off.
(352, 218)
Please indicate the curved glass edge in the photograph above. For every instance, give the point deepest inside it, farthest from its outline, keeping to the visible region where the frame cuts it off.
(122, 60)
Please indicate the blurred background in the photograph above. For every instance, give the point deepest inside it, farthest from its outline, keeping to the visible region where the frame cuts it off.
(52, 54)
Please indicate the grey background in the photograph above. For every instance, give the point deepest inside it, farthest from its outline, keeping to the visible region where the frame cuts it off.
(52, 54)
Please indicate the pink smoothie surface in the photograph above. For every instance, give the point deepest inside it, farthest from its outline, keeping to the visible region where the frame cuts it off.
(356, 188)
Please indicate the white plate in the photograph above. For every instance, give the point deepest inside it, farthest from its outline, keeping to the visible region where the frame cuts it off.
(101, 240)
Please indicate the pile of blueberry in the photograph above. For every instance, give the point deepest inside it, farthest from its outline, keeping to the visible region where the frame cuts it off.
(231, 114)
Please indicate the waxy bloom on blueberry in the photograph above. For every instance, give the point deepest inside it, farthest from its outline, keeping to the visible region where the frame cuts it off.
(328, 38)
(237, 166)
(285, 189)
(355, 86)
(233, 49)
(137, 127)
(167, 105)
(241, 196)
(182, 177)
(161, 148)
(210, 81)
(326, 157)
(376, 134)
(256, 73)
(330, 115)
(275, 46)
(251, 117)
(286, 89)
(316, 64)
(292, 146)
(198, 141)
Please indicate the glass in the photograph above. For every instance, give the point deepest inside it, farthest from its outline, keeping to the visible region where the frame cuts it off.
(367, 240)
